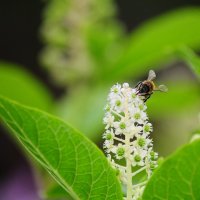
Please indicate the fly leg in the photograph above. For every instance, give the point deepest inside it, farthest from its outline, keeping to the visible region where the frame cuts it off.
(147, 97)
(138, 84)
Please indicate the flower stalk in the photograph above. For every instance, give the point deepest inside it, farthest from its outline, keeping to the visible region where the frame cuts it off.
(127, 142)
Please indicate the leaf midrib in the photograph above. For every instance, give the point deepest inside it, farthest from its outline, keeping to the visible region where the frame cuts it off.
(69, 189)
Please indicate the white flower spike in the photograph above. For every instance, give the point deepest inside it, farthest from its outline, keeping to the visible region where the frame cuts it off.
(127, 144)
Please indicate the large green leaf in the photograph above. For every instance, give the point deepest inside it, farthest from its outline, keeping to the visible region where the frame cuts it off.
(16, 83)
(56, 192)
(157, 41)
(181, 97)
(190, 57)
(74, 162)
(178, 177)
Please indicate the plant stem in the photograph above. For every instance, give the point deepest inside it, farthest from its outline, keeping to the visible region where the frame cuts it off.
(139, 170)
(128, 168)
(119, 139)
(114, 112)
(128, 156)
(140, 184)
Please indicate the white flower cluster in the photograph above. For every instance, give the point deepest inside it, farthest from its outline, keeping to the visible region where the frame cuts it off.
(127, 141)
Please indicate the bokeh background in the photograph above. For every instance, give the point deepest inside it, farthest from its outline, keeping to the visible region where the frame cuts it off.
(62, 57)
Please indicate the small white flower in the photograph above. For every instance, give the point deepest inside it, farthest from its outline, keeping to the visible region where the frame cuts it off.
(115, 92)
(116, 89)
(151, 165)
(107, 108)
(117, 104)
(127, 135)
(152, 155)
(119, 151)
(139, 116)
(133, 95)
(147, 128)
(142, 107)
(121, 126)
(125, 89)
(109, 120)
(135, 130)
(108, 135)
(138, 158)
(108, 145)
(142, 142)
(126, 85)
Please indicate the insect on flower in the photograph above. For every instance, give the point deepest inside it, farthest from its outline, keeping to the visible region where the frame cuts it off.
(146, 88)
(127, 144)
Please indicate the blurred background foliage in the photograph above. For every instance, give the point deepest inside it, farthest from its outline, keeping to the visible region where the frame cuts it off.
(87, 49)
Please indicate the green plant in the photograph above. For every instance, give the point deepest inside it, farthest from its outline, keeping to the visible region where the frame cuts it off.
(86, 55)
(127, 143)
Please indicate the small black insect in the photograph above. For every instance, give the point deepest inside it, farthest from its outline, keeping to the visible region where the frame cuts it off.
(147, 87)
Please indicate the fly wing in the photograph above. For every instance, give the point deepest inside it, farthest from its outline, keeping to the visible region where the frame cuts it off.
(152, 75)
(163, 88)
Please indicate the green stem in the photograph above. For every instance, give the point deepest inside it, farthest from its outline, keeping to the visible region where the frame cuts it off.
(139, 170)
(140, 184)
(128, 169)
(128, 156)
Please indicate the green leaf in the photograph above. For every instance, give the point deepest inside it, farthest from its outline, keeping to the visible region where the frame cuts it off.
(57, 192)
(71, 159)
(16, 83)
(189, 56)
(156, 41)
(178, 177)
(182, 96)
